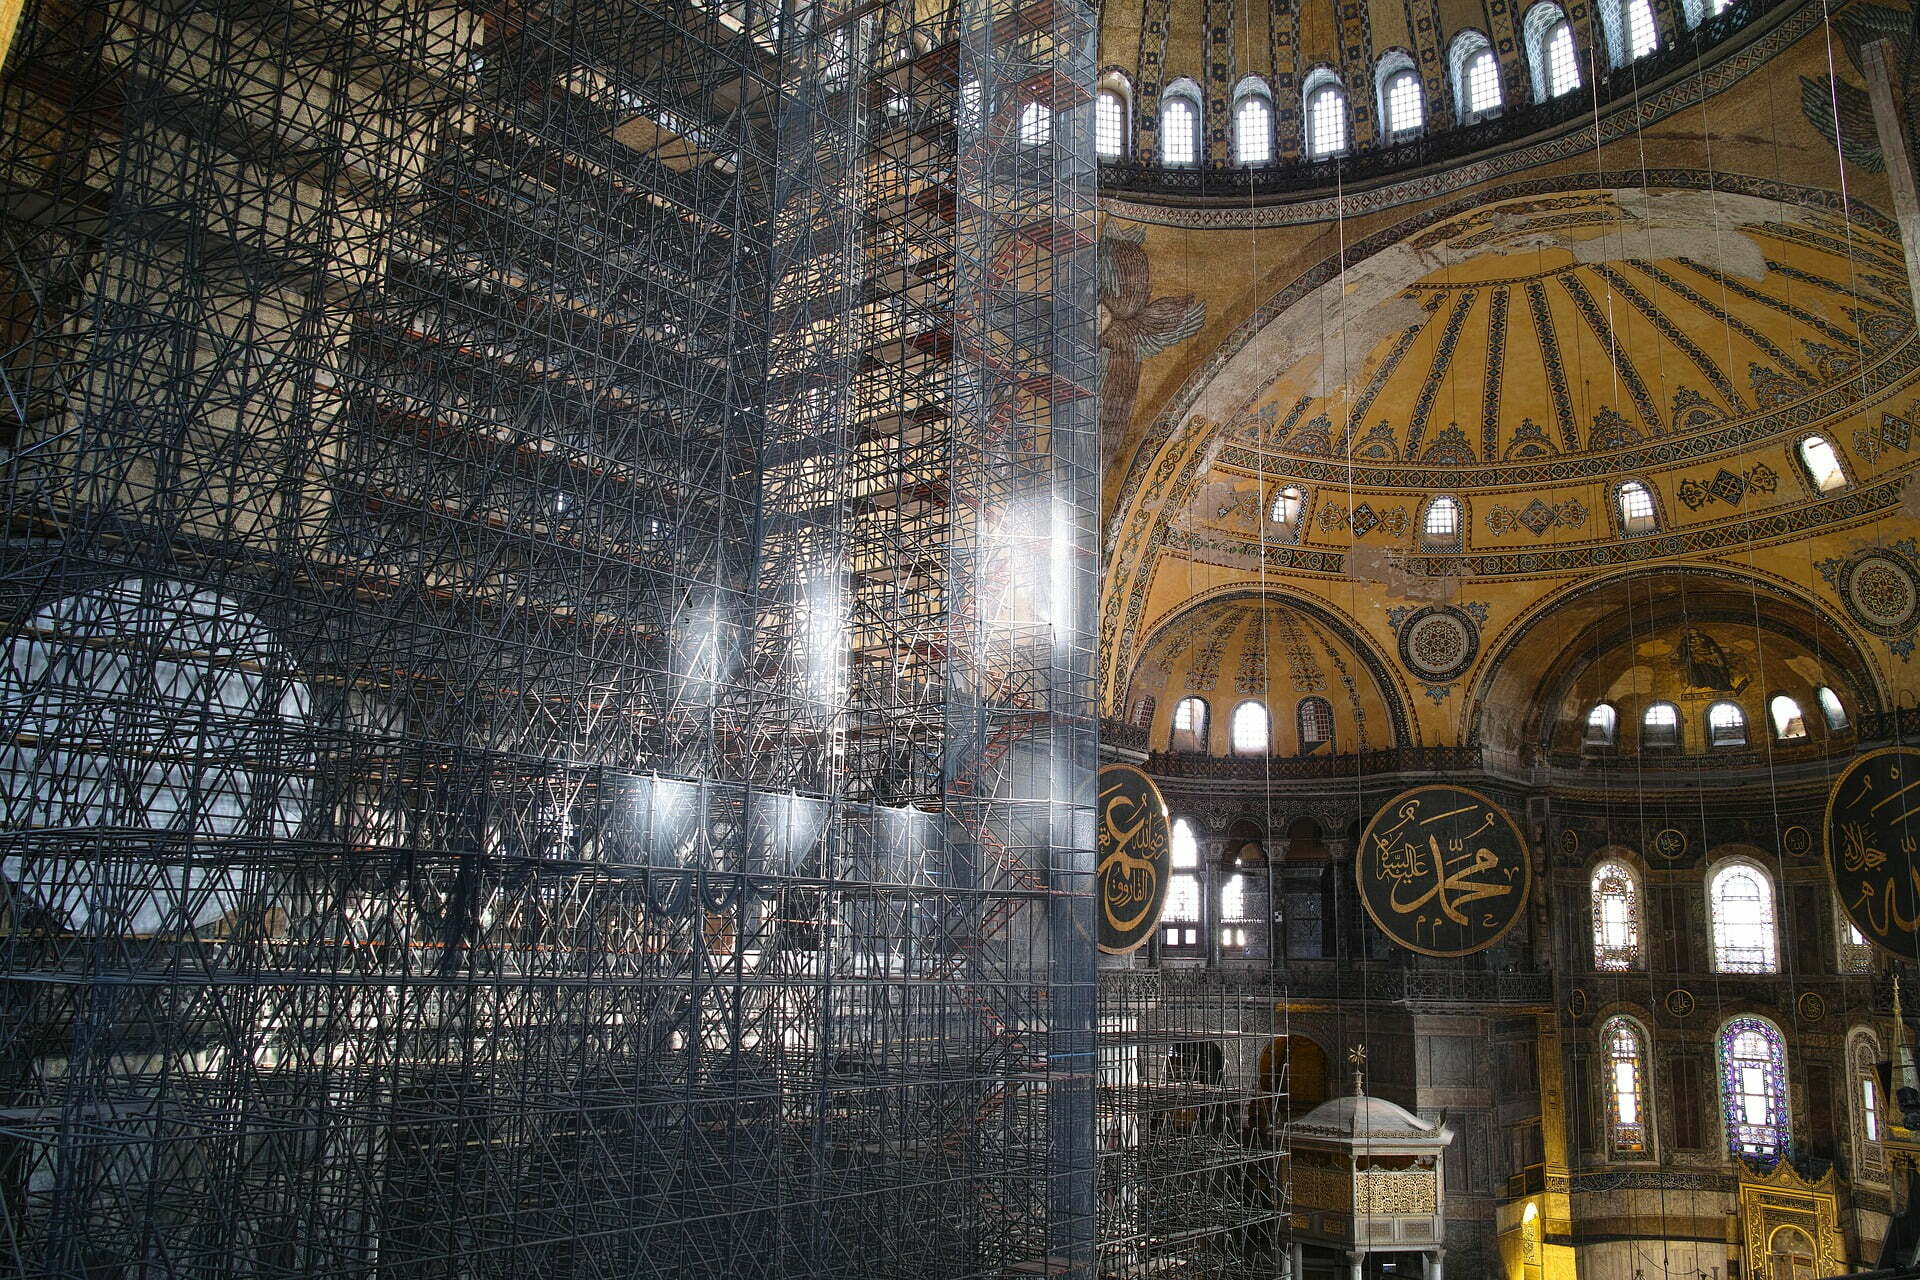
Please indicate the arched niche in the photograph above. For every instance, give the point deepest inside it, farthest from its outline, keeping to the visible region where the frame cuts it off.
(1277, 649)
(1688, 636)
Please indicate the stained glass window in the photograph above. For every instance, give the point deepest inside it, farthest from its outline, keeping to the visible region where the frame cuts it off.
(1626, 1052)
(1616, 917)
(1753, 1087)
(1740, 902)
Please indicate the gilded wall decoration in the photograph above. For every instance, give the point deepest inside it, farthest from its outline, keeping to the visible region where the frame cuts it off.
(1893, 433)
(1443, 871)
(1134, 845)
(1134, 325)
(1537, 517)
(1438, 642)
(1840, 110)
(1729, 487)
(1706, 664)
(1880, 588)
(1871, 825)
(1364, 519)
(1404, 1192)
(1781, 1201)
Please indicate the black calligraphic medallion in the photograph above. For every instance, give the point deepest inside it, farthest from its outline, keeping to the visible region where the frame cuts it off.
(1872, 832)
(1443, 871)
(1135, 845)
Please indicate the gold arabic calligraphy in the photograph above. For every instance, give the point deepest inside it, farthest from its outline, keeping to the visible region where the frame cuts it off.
(1873, 833)
(1449, 876)
(1133, 840)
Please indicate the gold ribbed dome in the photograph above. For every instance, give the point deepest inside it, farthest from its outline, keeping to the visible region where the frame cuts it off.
(1570, 325)
(1243, 648)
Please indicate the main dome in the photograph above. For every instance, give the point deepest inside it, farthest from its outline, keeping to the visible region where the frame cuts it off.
(1573, 326)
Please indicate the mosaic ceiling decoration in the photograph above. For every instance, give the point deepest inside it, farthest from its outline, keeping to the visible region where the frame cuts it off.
(1576, 325)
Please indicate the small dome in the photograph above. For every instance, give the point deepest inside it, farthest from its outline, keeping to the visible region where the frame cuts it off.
(1363, 1116)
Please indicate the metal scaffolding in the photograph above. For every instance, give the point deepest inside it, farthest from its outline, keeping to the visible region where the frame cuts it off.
(1194, 1106)
(547, 689)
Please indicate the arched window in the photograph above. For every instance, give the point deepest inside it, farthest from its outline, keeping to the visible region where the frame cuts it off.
(1740, 909)
(1253, 122)
(1863, 1064)
(1440, 527)
(1402, 110)
(1476, 77)
(1180, 918)
(1636, 508)
(1326, 115)
(1831, 708)
(1626, 1048)
(1822, 463)
(1316, 723)
(1252, 730)
(1552, 61)
(1856, 953)
(1789, 1254)
(1603, 721)
(1563, 66)
(1190, 724)
(1110, 125)
(1642, 36)
(1660, 726)
(149, 704)
(1233, 910)
(1753, 1087)
(1726, 725)
(1180, 125)
(1036, 125)
(1616, 917)
(1631, 33)
(1789, 724)
(1287, 505)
